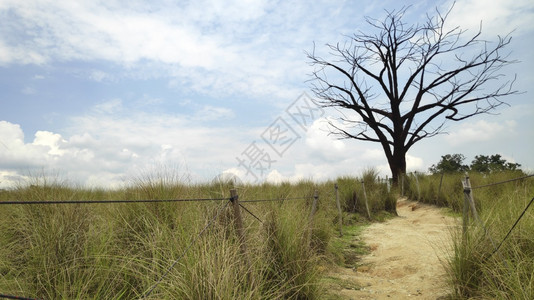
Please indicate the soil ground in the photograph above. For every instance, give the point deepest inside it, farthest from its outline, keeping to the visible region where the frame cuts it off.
(407, 257)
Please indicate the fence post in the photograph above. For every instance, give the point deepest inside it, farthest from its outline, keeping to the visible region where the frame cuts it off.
(465, 213)
(312, 212)
(418, 187)
(469, 195)
(239, 229)
(440, 183)
(339, 211)
(366, 203)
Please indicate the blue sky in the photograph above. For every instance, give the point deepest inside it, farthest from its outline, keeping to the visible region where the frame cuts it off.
(99, 93)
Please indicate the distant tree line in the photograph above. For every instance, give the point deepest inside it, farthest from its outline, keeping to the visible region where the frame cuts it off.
(453, 163)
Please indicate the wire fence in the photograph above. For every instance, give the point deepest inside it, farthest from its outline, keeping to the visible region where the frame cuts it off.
(502, 182)
(150, 290)
(469, 204)
(240, 204)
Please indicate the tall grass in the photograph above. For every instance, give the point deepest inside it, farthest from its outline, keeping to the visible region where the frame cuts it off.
(379, 197)
(119, 251)
(476, 271)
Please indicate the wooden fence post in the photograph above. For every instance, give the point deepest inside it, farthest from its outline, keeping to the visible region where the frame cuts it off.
(312, 212)
(366, 203)
(239, 229)
(440, 183)
(465, 213)
(468, 196)
(417, 184)
(339, 211)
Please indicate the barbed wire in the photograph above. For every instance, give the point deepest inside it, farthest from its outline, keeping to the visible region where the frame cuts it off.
(497, 183)
(184, 252)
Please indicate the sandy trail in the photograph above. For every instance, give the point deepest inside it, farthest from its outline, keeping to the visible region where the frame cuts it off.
(407, 256)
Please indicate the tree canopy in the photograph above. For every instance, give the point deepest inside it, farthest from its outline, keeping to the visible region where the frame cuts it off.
(452, 163)
(493, 163)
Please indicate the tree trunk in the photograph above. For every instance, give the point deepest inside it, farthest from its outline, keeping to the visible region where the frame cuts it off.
(397, 165)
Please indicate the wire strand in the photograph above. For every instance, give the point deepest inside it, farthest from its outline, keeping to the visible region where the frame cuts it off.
(511, 229)
(16, 297)
(251, 213)
(272, 200)
(497, 183)
(106, 201)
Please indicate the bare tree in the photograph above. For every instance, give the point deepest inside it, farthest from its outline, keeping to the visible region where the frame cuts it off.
(404, 82)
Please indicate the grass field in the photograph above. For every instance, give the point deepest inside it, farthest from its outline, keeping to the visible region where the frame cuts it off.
(122, 251)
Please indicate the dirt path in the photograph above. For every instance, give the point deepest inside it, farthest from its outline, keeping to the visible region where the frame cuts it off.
(406, 259)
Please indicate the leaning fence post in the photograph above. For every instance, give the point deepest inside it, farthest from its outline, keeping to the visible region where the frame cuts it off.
(469, 196)
(312, 212)
(339, 211)
(366, 203)
(239, 228)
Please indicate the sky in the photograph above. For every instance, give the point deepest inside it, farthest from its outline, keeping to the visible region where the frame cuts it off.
(104, 93)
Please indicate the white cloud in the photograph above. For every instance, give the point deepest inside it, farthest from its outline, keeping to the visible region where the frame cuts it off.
(498, 17)
(212, 113)
(244, 47)
(105, 149)
(414, 163)
(53, 141)
(100, 76)
(108, 107)
(322, 144)
(10, 178)
(275, 177)
(5, 53)
(480, 131)
(112, 141)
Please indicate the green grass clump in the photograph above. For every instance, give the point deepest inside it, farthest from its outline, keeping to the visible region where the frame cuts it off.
(379, 195)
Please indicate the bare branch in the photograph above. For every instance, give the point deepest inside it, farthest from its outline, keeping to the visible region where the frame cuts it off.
(428, 74)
